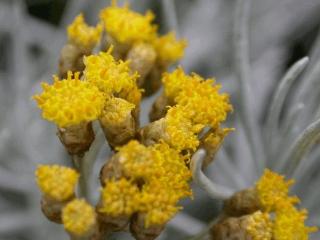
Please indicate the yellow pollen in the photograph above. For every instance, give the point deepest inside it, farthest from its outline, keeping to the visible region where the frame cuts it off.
(127, 26)
(70, 101)
(168, 48)
(56, 182)
(83, 35)
(117, 110)
(79, 218)
(260, 226)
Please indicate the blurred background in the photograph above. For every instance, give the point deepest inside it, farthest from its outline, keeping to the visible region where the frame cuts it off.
(32, 33)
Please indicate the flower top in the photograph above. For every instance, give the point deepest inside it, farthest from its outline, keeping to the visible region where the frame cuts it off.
(119, 198)
(272, 190)
(158, 204)
(260, 226)
(127, 26)
(70, 101)
(181, 133)
(176, 81)
(168, 48)
(83, 35)
(109, 75)
(289, 223)
(203, 103)
(79, 218)
(56, 182)
(117, 110)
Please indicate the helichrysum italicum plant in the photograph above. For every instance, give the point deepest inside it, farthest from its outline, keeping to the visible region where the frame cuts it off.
(106, 71)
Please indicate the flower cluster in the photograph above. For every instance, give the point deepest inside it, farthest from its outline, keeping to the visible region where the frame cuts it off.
(267, 211)
(146, 180)
(143, 182)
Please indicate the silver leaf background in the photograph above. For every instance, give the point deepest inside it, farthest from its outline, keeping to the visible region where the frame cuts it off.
(32, 32)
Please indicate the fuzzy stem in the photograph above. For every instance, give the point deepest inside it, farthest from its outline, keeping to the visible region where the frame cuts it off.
(214, 190)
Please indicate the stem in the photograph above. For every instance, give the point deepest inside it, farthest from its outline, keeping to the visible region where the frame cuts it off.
(214, 190)
(79, 164)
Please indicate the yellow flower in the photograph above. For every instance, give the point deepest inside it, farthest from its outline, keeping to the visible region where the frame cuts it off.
(181, 133)
(260, 226)
(127, 26)
(168, 48)
(119, 198)
(83, 35)
(289, 223)
(79, 218)
(272, 189)
(70, 101)
(158, 203)
(111, 76)
(56, 182)
(117, 110)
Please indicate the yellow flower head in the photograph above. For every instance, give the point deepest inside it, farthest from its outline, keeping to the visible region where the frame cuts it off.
(260, 226)
(79, 217)
(70, 101)
(272, 189)
(136, 160)
(158, 204)
(117, 110)
(127, 26)
(203, 102)
(168, 48)
(83, 35)
(56, 182)
(289, 223)
(181, 133)
(176, 81)
(109, 75)
(119, 198)
(172, 167)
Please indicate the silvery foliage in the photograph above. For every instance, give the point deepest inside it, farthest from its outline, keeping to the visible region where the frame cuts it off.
(245, 45)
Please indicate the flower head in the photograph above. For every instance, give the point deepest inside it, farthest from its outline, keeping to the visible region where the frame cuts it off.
(111, 76)
(272, 190)
(78, 217)
(260, 226)
(70, 101)
(83, 35)
(289, 223)
(117, 110)
(127, 26)
(56, 182)
(168, 48)
(181, 133)
(119, 198)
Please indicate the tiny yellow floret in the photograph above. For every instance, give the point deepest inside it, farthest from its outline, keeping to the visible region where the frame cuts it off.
(260, 226)
(119, 198)
(168, 48)
(111, 76)
(272, 189)
(289, 223)
(127, 26)
(56, 182)
(70, 101)
(83, 35)
(79, 218)
(117, 110)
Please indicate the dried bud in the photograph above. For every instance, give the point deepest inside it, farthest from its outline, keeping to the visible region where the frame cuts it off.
(242, 203)
(77, 139)
(152, 81)
(140, 232)
(249, 227)
(153, 132)
(71, 59)
(52, 209)
(120, 50)
(118, 122)
(142, 57)
(112, 169)
(160, 107)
